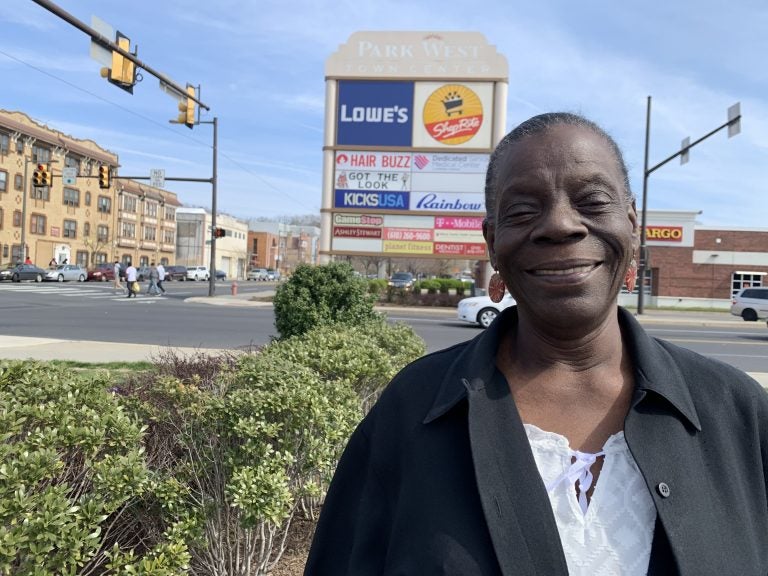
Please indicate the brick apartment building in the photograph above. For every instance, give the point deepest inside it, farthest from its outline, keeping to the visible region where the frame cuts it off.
(77, 221)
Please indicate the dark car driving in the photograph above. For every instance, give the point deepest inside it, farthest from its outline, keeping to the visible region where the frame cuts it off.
(19, 272)
(175, 273)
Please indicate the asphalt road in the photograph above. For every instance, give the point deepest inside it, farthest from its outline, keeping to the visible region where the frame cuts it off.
(94, 311)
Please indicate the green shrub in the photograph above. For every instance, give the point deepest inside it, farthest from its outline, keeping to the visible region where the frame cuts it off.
(432, 286)
(71, 464)
(364, 357)
(239, 452)
(377, 286)
(317, 295)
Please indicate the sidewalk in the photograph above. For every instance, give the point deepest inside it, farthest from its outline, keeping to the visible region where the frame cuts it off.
(18, 347)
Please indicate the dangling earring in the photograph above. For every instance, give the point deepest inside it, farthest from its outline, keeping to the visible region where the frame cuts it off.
(630, 279)
(496, 288)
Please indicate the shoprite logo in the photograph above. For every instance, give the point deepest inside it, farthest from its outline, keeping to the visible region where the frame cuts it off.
(453, 114)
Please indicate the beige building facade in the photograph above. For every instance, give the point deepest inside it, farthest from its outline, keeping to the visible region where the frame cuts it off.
(75, 219)
(193, 246)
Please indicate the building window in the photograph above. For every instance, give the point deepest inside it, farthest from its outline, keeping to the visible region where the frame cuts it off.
(40, 154)
(129, 203)
(37, 224)
(70, 229)
(151, 209)
(169, 236)
(41, 193)
(741, 280)
(81, 259)
(170, 213)
(128, 230)
(164, 261)
(126, 260)
(2, 217)
(17, 218)
(100, 258)
(144, 261)
(105, 204)
(102, 233)
(18, 182)
(19, 146)
(87, 229)
(71, 197)
(4, 141)
(87, 198)
(150, 233)
(3, 181)
(72, 162)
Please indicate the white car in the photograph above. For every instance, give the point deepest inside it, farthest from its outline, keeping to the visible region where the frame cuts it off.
(198, 273)
(482, 310)
(751, 303)
(66, 272)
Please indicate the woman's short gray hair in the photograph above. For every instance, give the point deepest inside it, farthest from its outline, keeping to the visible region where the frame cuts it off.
(536, 125)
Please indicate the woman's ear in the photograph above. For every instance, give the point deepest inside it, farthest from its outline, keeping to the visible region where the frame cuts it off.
(632, 214)
(489, 233)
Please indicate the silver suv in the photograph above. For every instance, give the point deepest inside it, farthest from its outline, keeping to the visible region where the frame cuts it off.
(197, 273)
(257, 274)
(751, 304)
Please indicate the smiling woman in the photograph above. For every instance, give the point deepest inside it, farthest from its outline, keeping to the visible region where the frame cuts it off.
(563, 429)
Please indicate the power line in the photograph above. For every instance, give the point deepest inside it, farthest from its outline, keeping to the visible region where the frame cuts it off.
(153, 122)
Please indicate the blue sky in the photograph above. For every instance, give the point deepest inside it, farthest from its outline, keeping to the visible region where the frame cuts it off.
(261, 67)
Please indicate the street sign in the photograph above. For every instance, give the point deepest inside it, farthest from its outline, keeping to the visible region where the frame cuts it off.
(69, 176)
(157, 177)
(734, 119)
(97, 51)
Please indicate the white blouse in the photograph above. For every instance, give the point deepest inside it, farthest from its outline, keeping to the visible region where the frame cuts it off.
(612, 534)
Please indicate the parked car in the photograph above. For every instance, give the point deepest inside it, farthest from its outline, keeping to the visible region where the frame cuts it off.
(257, 274)
(401, 280)
(103, 272)
(175, 273)
(198, 273)
(19, 272)
(221, 275)
(750, 303)
(482, 310)
(142, 273)
(273, 275)
(66, 273)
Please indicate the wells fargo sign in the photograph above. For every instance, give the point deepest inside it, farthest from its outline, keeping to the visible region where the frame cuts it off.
(664, 233)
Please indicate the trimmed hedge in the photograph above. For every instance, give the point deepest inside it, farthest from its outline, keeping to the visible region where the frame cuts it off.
(316, 295)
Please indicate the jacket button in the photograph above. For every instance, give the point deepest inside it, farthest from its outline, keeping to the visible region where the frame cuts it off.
(663, 490)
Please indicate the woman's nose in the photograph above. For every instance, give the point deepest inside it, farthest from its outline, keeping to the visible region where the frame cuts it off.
(560, 222)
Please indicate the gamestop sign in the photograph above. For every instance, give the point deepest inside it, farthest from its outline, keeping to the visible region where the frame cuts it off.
(375, 114)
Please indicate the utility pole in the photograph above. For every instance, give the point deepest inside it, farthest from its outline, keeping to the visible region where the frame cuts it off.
(734, 127)
(214, 179)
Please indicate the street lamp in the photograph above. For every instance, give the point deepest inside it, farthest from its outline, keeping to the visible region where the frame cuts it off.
(734, 127)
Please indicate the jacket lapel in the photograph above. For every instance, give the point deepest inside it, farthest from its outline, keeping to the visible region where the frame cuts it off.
(515, 502)
(663, 433)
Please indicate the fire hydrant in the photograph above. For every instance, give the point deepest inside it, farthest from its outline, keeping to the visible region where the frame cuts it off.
(233, 287)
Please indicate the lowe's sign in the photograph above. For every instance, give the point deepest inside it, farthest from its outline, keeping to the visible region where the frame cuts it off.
(375, 114)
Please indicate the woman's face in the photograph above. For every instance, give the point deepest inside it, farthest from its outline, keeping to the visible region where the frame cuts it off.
(564, 231)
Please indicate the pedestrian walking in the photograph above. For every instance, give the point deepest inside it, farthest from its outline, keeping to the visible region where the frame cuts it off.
(153, 290)
(160, 277)
(130, 280)
(116, 282)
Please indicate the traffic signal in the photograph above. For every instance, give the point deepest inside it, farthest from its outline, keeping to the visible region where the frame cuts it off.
(37, 176)
(41, 176)
(187, 108)
(123, 71)
(105, 176)
(219, 232)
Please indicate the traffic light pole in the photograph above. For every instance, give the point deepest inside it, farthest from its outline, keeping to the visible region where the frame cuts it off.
(733, 124)
(24, 212)
(214, 179)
